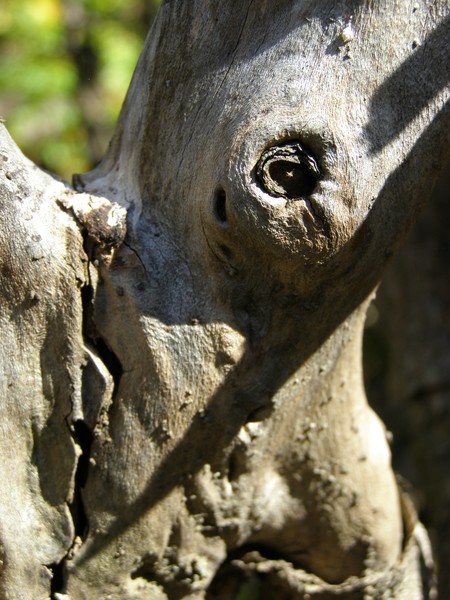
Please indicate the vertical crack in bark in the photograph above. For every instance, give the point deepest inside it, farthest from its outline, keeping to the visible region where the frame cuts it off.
(57, 581)
(83, 437)
(110, 360)
(92, 337)
(82, 434)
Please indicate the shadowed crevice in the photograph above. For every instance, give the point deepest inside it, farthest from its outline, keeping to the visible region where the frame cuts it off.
(83, 437)
(57, 582)
(94, 340)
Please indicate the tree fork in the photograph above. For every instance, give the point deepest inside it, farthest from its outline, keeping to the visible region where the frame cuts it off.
(199, 305)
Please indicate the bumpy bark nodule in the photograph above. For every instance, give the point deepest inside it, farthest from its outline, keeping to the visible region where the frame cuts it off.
(183, 411)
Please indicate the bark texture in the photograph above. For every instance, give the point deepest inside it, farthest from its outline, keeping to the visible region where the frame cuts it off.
(42, 360)
(207, 358)
(414, 300)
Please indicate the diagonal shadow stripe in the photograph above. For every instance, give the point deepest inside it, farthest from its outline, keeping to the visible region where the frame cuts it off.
(410, 88)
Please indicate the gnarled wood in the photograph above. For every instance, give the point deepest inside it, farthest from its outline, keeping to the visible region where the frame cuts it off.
(269, 156)
(42, 270)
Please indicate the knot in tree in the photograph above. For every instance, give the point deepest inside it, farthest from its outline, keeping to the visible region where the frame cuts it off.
(182, 394)
(287, 170)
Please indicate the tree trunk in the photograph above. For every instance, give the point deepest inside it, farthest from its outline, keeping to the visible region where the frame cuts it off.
(414, 300)
(182, 401)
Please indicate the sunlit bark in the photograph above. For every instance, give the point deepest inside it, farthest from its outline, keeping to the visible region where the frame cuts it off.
(190, 316)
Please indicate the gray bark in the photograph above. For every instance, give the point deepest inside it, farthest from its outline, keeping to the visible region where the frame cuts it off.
(206, 360)
(414, 300)
(42, 269)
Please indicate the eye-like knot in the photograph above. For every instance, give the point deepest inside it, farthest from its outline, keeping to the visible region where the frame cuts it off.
(287, 170)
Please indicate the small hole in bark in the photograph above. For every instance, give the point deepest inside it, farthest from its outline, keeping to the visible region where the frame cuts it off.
(287, 170)
(226, 251)
(237, 465)
(294, 179)
(232, 582)
(236, 576)
(220, 206)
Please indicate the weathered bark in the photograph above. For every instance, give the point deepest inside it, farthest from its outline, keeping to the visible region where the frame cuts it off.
(414, 300)
(42, 360)
(269, 157)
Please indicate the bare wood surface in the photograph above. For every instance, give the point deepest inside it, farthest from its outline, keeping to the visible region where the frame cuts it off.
(269, 157)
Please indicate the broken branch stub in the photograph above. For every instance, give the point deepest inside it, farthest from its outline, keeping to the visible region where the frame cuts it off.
(287, 170)
(264, 193)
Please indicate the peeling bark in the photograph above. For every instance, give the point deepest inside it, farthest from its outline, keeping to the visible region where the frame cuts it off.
(207, 358)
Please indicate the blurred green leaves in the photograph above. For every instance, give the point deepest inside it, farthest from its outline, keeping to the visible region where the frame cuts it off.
(65, 66)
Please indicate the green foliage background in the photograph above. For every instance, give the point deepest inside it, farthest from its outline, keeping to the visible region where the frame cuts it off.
(65, 66)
